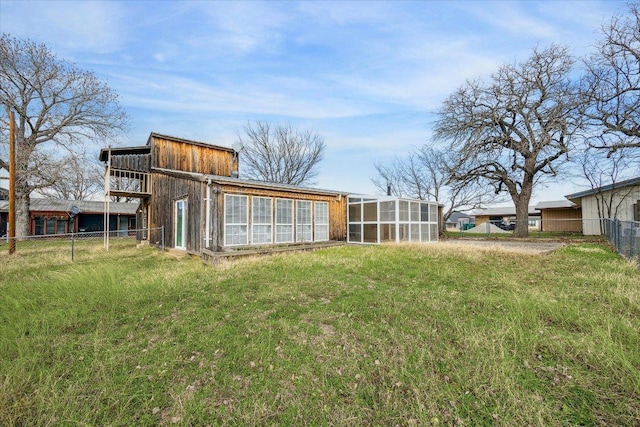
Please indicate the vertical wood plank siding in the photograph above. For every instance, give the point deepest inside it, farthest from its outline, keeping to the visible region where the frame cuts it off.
(337, 208)
(561, 220)
(132, 162)
(168, 189)
(190, 157)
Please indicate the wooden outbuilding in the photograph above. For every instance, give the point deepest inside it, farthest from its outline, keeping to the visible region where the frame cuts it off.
(193, 189)
(561, 216)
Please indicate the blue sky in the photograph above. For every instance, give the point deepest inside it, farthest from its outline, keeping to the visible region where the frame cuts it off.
(367, 76)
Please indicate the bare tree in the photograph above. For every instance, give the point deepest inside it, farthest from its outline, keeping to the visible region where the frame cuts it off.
(58, 109)
(77, 178)
(425, 173)
(603, 171)
(511, 132)
(280, 153)
(611, 86)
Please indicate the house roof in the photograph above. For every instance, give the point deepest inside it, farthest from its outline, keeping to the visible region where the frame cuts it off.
(615, 185)
(248, 183)
(104, 153)
(502, 211)
(457, 216)
(556, 204)
(85, 206)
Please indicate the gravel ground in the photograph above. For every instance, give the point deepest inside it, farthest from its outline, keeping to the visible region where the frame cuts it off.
(508, 245)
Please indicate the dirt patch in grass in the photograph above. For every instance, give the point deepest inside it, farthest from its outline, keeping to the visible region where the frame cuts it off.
(527, 247)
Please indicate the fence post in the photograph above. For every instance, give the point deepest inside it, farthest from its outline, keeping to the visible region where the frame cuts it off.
(162, 237)
(632, 243)
(616, 233)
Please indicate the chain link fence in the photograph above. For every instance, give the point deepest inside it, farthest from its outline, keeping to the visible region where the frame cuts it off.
(83, 245)
(624, 236)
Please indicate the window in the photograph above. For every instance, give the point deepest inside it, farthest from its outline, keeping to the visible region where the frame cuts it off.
(284, 221)
(321, 226)
(235, 220)
(303, 221)
(61, 227)
(387, 211)
(404, 210)
(261, 220)
(38, 226)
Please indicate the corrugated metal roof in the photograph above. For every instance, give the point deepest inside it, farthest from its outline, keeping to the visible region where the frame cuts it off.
(85, 206)
(249, 183)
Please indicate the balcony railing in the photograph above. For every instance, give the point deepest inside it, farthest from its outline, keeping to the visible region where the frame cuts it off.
(120, 182)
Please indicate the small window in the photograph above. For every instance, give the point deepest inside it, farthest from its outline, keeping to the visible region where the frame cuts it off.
(404, 210)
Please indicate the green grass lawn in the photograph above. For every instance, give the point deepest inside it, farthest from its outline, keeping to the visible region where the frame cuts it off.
(348, 336)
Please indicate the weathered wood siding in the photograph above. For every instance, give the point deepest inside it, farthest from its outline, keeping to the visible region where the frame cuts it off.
(337, 208)
(562, 220)
(168, 189)
(192, 157)
(131, 162)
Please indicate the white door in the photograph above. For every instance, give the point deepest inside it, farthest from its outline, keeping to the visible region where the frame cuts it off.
(180, 224)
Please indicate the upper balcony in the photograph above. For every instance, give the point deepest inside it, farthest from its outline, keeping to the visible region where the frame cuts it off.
(128, 171)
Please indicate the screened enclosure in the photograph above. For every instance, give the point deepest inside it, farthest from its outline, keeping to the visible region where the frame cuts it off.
(391, 219)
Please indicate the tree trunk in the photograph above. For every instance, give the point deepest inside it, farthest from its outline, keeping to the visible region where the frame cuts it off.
(522, 208)
(22, 213)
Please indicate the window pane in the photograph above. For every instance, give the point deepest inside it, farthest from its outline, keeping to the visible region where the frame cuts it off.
(370, 211)
(235, 218)
(415, 232)
(388, 233)
(39, 226)
(303, 221)
(370, 233)
(284, 221)
(387, 211)
(404, 232)
(321, 223)
(262, 217)
(424, 212)
(404, 210)
(433, 214)
(414, 209)
(61, 227)
(51, 226)
(355, 233)
(354, 213)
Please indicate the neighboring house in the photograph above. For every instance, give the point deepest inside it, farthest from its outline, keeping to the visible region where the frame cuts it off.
(507, 215)
(620, 200)
(4, 194)
(49, 217)
(193, 189)
(459, 221)
(560, 216)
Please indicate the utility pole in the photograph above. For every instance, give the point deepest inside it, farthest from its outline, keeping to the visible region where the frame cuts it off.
(12, 184)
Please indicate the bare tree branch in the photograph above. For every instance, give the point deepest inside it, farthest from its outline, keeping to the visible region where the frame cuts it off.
(280, 153)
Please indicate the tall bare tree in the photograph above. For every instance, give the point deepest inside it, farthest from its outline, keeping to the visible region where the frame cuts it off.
(280, 153)
(425, 173)
(78, 178)
(58, 108)
(611, 85)
(513, 130)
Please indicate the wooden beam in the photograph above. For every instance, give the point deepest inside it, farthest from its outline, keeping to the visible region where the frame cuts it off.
(12, 184)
